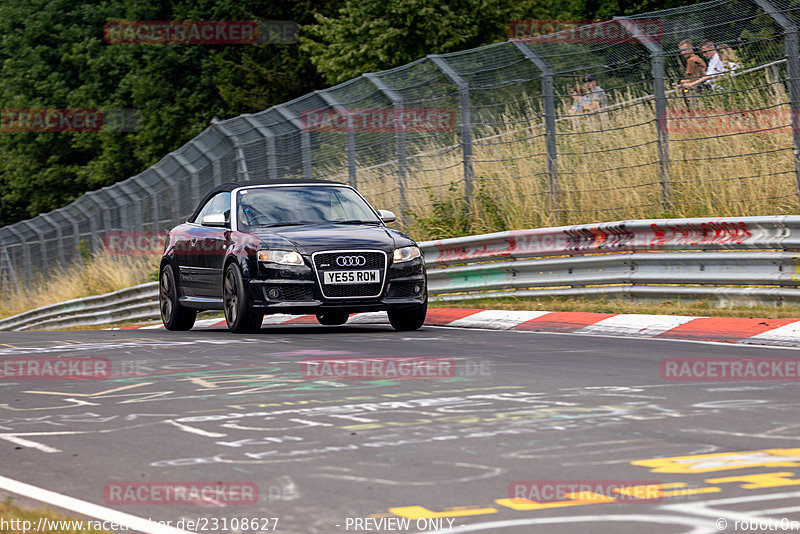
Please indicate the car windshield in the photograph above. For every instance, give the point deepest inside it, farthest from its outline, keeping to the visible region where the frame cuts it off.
(300, 205)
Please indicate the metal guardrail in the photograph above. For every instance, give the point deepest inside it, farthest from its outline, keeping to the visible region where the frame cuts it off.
(134, 303)
(742, 259)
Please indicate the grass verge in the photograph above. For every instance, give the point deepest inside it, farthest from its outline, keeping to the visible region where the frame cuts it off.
(15, 519)
(96, 274)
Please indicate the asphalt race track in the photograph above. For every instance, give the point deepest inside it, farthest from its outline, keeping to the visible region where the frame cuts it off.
(441, 453)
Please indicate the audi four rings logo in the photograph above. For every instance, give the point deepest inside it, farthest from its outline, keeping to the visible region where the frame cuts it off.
(351, 261)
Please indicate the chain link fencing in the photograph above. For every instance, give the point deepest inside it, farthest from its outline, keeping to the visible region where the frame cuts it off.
(497, 128)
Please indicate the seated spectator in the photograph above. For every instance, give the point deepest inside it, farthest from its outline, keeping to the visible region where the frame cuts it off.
(595, 96)
(578, 94)
(715, 67)
(695, 66)
(728, 57)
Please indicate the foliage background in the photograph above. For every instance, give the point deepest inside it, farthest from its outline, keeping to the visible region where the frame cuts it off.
(52, 55)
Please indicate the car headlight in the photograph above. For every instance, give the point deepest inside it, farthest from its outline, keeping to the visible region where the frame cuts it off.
(283, 257)
(405, 254)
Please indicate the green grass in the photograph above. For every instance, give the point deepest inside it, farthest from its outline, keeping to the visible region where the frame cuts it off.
(15, 515)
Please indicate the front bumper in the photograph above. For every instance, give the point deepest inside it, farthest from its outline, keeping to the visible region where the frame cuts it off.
(296, 290)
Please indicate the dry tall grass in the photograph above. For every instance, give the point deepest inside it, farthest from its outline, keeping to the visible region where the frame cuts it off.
(101, 273)
(609, 168)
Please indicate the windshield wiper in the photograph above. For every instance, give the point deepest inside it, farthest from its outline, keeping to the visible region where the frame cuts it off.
(355, 221)
(280, 224)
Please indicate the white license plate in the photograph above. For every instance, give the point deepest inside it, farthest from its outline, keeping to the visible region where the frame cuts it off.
(351, 277)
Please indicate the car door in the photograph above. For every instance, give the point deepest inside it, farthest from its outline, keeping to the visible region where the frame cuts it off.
(206, 249)
(211, 245)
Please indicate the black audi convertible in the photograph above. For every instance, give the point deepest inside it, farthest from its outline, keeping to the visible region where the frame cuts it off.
(296, 247)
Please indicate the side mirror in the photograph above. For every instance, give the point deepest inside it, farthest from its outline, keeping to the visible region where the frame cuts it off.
(216, 220)
(387, 216)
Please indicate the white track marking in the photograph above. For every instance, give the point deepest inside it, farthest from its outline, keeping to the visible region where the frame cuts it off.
(369, 318)
(87, 509)
(789, 333)
(28, 443)
(496, 319)
(636, 325)
(278, 318)
(699, 526)
(198, 431)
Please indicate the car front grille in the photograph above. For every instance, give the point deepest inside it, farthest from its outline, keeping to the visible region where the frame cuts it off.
(350, 260)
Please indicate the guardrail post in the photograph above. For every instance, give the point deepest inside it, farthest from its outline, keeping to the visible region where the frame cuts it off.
(305, 139)
(466, 120)
(269, 137)
(790, 43)
(399, 136)
(660, 97)
(551, 146)
(349, 136)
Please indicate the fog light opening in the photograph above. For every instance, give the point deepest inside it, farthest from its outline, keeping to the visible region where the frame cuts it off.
(274, 293)
(417, 289)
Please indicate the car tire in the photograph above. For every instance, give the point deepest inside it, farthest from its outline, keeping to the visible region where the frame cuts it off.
(239, 318)
(404, 319)
(174, 315)
(333, 317)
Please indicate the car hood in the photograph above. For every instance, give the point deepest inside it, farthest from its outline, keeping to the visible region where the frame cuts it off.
(313, 238)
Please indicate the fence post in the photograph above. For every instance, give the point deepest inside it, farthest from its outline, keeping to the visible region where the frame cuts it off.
(349, 136)
(92, 223)
(7, 270)
(269, 137)
(26, 254)
(242, 173)
(59, 238)
(135, 204)
(660, 97)
(466, 120)
(42, 246)
(399, 135)
(305, 139)
(551, 146)
(790, 43)
(173, 185)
